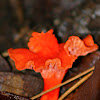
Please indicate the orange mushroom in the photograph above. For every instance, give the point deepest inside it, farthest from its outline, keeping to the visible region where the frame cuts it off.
(51, 59)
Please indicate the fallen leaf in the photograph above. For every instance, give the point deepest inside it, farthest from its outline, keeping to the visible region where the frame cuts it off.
(20, 84)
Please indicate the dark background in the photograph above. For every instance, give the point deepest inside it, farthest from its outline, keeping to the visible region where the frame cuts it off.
(19, 18)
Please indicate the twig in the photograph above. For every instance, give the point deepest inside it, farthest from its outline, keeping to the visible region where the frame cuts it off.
(66, 82)
(75, 86)
(5, 54)
(18, 9)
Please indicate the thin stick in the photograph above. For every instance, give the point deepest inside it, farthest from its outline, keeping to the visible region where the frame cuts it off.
(18, 9)
(75, 86)
(66, 82)
(5, 54)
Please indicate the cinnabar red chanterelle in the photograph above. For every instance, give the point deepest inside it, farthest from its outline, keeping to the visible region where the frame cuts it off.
(51, 59)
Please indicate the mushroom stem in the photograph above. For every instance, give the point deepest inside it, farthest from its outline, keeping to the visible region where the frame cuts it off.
(49, 83)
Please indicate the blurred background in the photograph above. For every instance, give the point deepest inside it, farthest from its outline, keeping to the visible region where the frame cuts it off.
(19, 18)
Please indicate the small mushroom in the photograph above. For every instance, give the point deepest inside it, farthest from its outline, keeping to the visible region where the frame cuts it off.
(51, 59)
